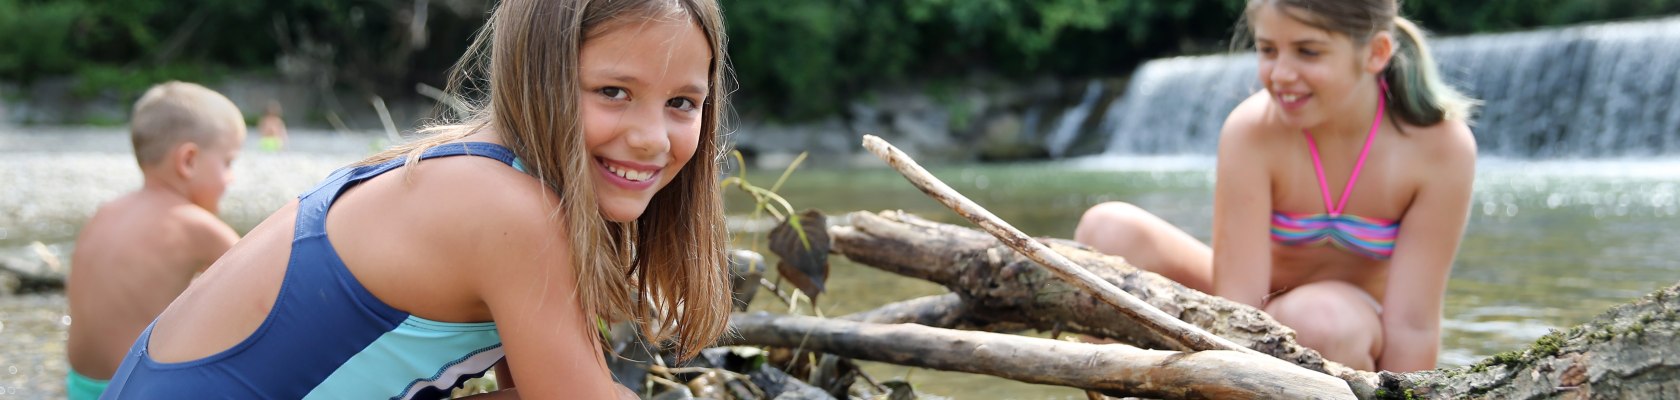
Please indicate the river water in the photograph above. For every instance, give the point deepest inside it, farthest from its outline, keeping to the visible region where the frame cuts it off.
(1550, 244)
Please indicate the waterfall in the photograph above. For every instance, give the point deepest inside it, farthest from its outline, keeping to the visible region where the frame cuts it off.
(1593, 91)
(1176, 105)
(1068, 125)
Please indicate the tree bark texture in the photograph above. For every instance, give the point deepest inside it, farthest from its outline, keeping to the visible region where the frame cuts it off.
(1115, 369)
(1002, 285)
(1172, 331)
(1631, 351)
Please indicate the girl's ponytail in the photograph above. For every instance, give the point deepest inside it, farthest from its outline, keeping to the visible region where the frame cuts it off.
(1419, 95)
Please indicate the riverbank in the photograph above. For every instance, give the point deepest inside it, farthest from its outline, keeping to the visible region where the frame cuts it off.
(33, 330)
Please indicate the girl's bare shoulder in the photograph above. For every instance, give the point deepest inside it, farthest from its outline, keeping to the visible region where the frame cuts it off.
(1252, 125)
(1447, 143)
(481, 199)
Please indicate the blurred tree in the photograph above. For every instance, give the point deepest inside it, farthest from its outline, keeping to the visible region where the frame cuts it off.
(36, 39)
(794, 59)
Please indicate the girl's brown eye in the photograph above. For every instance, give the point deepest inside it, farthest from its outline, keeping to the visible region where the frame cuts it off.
(681, 103)
(615, 93)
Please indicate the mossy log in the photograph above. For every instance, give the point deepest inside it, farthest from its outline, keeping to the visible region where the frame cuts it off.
(1630, 351)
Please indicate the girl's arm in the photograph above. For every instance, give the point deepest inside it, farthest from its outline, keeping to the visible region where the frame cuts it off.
(524, 275)
(1242, 204)
(1430, 233)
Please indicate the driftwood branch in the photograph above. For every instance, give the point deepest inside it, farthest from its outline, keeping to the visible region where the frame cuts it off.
(1010, 287)
(947, 311)
(1113, 369)
(1182, 336)
(939, 311)
(1631, 351)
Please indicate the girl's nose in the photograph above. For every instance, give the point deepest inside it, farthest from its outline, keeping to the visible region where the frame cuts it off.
(1282, 72)
(644, 130)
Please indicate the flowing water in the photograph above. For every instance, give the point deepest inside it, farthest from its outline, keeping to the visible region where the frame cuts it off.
(1605, 90)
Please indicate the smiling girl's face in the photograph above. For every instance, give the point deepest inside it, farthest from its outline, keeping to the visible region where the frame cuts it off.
(1310, 73)
(643, 87)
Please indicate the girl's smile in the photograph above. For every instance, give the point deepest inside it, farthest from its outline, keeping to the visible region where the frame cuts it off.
(1291, 101)
(628, 175)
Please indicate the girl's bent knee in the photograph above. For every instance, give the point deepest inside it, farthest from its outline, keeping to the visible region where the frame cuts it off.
(1331, 317)
(1106, 224)
(1116, 210)
(1108, 216)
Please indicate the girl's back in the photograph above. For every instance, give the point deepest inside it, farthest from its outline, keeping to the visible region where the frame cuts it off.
(366, 307)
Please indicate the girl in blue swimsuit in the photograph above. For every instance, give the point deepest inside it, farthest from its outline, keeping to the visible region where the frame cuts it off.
(1351, 97)
(582, 189)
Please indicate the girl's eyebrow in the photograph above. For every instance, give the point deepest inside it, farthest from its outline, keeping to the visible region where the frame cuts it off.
(620, 77)
(1297, 42)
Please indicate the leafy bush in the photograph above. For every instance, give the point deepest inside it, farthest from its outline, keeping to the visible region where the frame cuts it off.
(36, 38)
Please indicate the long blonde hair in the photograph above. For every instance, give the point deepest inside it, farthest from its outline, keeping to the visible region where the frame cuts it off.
(665, 271)
(1420, 97)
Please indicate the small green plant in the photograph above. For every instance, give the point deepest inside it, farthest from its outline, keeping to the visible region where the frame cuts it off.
(766, 197)
(800, 239)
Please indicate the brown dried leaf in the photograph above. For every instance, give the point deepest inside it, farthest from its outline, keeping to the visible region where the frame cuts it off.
(802, 243)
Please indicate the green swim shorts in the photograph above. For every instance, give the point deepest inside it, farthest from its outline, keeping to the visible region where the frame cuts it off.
(269, 144)
(84, 388)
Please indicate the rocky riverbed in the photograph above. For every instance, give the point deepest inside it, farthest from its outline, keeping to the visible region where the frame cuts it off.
(33, 329)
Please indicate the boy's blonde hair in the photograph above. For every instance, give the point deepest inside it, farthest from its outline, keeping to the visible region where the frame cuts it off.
(667, 270)
(174, 112)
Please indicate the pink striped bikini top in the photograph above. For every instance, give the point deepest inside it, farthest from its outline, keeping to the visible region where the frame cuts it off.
(1369, 237)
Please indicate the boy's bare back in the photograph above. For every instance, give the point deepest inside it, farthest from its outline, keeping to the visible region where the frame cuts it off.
(139, 251)
(132, 258)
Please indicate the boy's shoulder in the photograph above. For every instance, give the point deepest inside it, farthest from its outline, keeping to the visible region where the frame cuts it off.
(163, 208)
(160, 222)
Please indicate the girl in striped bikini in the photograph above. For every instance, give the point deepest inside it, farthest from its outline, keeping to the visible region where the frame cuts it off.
(1351, 104)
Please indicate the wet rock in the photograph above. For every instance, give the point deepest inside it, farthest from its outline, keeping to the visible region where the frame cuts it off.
(1006, 138)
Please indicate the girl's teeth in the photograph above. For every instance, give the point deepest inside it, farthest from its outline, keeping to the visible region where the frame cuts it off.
(1291, 97)
(632, 175)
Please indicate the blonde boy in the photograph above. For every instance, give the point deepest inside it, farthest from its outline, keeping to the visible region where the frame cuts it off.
(139, 251)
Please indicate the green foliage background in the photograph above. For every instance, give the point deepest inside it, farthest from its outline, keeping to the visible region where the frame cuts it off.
(794, 59)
